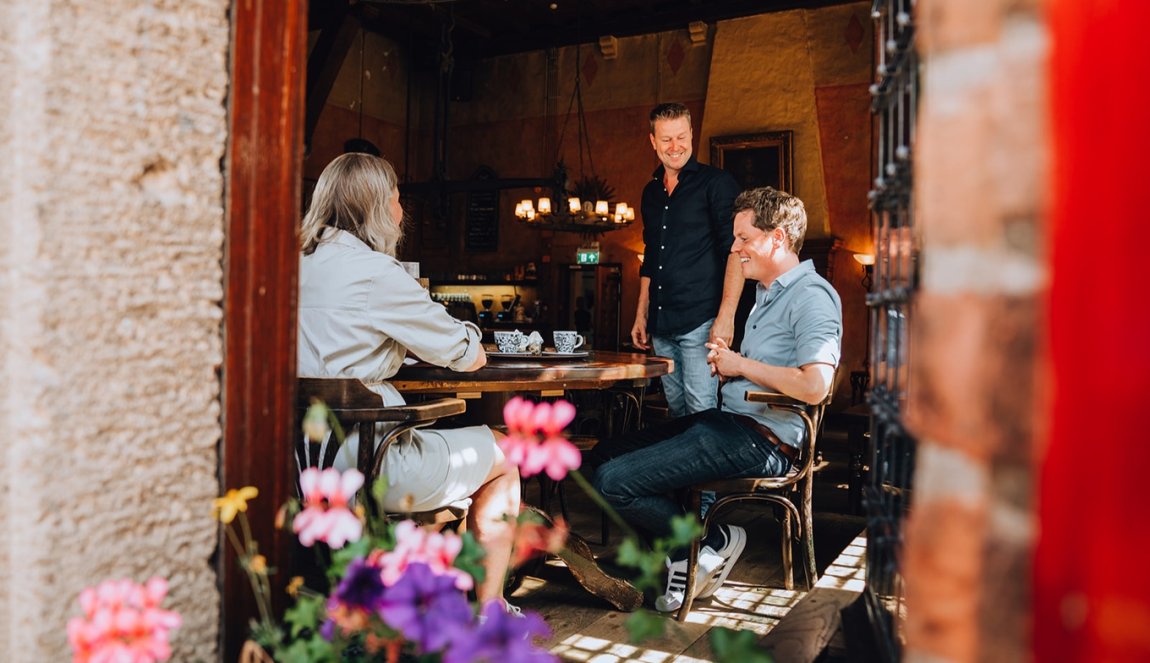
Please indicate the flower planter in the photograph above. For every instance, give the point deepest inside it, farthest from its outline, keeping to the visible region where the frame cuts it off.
(253, 653)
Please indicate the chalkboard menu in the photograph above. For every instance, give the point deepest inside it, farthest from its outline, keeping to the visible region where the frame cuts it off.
(483, 215)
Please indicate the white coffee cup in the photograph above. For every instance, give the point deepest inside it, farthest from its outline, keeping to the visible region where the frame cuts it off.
(567, 342)
(510, 341)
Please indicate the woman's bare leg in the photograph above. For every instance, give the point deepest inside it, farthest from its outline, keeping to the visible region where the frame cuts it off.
(491, 520)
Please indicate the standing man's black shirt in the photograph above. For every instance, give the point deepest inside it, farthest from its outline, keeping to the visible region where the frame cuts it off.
(688, 237)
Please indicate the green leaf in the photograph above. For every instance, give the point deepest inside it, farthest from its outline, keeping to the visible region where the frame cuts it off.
(309, 650)
(642, 625)
(629, 554)
(378, 492)
(684, 530)
(470, 558)
(358, 549)
(305, 615)
(737, 647)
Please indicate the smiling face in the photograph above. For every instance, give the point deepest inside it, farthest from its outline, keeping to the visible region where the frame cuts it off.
(757, 248)
(672, 142)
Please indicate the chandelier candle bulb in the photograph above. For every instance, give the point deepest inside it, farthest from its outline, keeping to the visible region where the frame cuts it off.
(545, 205)
(574, 205)
(630, 215)
(602, 208)
(620, 211)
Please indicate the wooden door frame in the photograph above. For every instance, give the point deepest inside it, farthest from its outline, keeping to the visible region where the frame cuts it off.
(261, 261)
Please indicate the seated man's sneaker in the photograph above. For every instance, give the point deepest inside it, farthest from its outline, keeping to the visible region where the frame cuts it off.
(672, 598)
(736, 540)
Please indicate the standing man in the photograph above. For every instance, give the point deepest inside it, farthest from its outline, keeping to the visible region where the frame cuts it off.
(689, 282)
(791, 345)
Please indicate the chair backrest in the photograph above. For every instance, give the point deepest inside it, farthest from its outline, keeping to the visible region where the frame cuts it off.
(812, 416)
(337, 393)
(347, 398)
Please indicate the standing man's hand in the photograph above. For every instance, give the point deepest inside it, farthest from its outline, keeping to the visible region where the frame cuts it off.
(639, 332)
(639, 329)
(723, 329)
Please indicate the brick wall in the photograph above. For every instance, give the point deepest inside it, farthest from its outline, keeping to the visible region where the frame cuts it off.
(980, 175)
(113, 122)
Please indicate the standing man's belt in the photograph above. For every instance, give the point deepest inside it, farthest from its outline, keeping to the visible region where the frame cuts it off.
(785, 449)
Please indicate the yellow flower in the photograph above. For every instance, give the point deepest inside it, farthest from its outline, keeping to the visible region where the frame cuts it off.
(294, 585)
(258, 564)
(225, 508)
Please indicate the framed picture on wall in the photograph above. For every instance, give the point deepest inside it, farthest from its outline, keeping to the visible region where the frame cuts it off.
(761, 159)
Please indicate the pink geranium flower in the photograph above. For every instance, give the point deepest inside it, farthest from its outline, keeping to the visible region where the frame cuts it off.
(555, 456)
(326, 516)
(122, 621)
(419, 544)
(527, 424)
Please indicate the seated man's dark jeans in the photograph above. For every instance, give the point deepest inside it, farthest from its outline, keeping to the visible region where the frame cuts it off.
(638, 474)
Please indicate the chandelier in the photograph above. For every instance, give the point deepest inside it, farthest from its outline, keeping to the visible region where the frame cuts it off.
(580, 214)
(586, 207)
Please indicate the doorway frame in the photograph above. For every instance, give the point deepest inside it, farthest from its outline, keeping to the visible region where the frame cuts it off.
(263, 169)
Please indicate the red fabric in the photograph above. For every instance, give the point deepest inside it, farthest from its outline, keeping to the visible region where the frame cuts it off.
(1092, 584)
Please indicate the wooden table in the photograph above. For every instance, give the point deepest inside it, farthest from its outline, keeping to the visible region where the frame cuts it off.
(548, 377)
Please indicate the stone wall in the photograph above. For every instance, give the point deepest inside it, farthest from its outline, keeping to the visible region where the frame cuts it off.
(977, 330)
(113, 122)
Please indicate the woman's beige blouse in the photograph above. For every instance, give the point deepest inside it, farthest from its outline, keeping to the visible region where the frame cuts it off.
(360, 312)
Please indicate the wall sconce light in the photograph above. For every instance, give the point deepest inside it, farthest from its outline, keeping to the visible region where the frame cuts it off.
(609, 47)
(867, 262)
(697, 31)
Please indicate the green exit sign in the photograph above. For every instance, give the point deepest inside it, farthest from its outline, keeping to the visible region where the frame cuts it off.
(587, 256)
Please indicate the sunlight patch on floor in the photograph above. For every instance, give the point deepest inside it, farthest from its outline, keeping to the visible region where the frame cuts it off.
(848, 571)
(745, 607)
(579, 647)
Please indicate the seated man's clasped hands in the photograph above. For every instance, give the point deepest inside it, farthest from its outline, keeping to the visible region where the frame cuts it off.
(791, 345)
(360, 313)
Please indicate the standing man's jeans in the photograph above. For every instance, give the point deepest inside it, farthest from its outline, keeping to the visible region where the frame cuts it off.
(691, 388)
(638, 473)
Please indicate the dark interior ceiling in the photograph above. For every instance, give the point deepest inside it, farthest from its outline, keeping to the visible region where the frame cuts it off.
(485, 28)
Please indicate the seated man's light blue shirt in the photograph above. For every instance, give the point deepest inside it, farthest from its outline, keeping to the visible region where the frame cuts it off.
(796, 321)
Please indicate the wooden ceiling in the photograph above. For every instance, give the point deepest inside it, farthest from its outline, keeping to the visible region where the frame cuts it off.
(485, 28)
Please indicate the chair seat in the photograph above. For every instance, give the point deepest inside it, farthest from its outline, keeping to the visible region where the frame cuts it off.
(749, 485)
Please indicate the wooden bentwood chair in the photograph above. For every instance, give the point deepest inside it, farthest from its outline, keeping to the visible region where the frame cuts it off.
(792, 492)
(353, 404)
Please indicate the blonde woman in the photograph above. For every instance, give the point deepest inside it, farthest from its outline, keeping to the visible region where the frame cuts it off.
(360, 314)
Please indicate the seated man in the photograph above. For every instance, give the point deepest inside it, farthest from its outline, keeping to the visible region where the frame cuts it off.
(791, 345)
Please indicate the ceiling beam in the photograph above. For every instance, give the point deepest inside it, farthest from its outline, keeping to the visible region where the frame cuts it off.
(323, 65)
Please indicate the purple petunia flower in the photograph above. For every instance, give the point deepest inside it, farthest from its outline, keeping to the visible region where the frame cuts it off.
(361, 587)
(426, 608)
(501, 637)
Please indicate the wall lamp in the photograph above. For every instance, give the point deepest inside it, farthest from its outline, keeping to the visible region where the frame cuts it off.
(867, 262)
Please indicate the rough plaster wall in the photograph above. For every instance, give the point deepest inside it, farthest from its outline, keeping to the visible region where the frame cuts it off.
(113, 122)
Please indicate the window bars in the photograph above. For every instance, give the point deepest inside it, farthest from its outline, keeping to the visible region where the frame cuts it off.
(887, 492)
